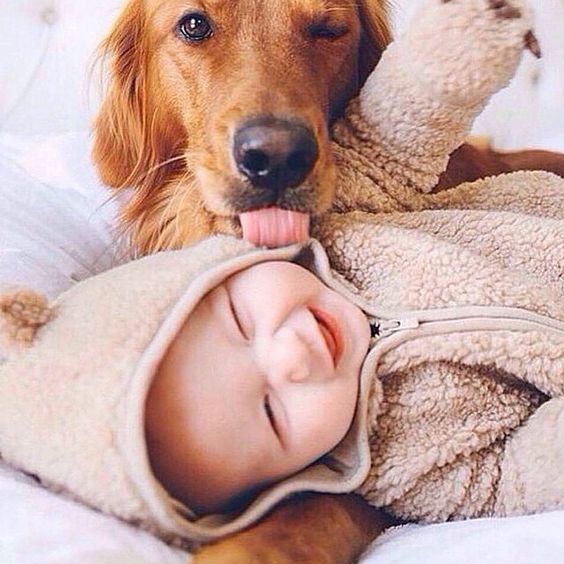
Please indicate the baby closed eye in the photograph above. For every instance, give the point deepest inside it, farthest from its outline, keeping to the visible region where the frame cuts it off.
(271, 417)
(237, 318)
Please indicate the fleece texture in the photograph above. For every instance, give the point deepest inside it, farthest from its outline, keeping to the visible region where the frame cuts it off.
(74, 386)
(471, 420)
(461, 409)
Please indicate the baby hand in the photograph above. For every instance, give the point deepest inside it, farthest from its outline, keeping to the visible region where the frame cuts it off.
(466, 50)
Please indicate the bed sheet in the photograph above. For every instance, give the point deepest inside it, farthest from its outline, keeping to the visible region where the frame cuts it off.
(57, 228)
(38, 527)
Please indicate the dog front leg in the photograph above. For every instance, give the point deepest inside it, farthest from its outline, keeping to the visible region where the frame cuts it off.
(310, 528)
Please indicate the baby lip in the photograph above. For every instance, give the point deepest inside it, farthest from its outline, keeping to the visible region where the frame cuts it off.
(331, 334)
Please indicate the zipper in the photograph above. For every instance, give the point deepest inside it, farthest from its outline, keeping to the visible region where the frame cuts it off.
(380, 328)
(463, 318)
(394, 328)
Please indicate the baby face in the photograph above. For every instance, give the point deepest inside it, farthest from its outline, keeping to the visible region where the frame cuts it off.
(261, 381)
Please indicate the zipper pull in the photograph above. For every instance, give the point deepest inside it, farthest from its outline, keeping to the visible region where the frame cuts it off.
(380, 328)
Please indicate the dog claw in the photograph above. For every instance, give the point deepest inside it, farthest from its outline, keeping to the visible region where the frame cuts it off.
(532, 44)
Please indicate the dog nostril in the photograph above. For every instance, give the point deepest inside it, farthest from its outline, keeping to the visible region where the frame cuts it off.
(256, 162)
(300, 160)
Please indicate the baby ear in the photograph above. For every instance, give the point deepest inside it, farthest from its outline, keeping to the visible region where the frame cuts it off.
(22, 313)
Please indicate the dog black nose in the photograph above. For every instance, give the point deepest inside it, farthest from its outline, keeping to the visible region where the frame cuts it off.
(275, 154)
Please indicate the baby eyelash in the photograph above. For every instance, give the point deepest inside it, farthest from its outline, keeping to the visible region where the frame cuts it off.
(236, 318)
(270, 413)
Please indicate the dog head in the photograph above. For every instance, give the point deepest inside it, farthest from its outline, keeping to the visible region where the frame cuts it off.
(221, 109)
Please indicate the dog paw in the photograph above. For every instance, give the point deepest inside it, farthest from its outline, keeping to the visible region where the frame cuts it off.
(504, 9)
(225, 553)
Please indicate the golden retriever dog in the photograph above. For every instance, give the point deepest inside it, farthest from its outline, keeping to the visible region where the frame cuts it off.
(218, 109)
(233, 96)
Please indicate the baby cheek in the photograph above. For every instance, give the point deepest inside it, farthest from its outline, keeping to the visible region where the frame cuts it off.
(331, 417)
(343, 405)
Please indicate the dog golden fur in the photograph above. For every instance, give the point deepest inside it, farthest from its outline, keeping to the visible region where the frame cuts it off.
(203, 104)
(175, 103)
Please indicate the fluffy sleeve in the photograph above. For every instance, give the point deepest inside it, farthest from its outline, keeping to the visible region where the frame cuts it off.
(531, 471)
(420, 101)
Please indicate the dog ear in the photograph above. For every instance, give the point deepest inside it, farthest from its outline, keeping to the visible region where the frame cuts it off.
(22, 314)
(133, 139)
(376, 34)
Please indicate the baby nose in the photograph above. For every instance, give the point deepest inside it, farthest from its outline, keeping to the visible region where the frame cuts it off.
(299, 373)
(289, 359)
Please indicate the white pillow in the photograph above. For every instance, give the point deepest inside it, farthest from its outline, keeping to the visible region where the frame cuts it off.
(57, 220)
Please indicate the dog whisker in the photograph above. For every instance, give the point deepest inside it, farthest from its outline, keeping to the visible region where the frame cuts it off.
(178, 216)
(172, 160)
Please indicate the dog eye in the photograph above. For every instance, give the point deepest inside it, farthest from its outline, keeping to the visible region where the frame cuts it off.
(194, 27)
(325, 31)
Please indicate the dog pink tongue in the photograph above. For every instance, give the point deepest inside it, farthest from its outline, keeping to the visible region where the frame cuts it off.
(273, 227)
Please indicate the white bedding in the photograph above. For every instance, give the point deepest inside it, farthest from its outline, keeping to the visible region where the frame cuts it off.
(56, 218)
(56, 228)
(38, 527)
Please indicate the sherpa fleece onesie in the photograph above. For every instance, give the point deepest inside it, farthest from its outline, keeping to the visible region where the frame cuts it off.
(461, 408)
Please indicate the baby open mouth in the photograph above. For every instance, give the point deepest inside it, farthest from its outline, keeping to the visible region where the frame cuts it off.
(330, 332)
(275, 227)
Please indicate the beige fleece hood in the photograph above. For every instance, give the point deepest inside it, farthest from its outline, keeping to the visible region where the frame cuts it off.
(74, 388)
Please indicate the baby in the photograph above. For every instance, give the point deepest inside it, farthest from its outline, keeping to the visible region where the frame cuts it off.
(190, 391)
(286, 397)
